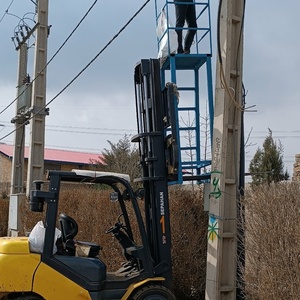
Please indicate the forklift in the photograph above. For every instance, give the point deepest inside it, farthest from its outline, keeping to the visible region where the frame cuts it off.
(146, 273)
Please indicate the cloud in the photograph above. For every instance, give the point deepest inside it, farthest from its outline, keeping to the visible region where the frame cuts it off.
(103, 96)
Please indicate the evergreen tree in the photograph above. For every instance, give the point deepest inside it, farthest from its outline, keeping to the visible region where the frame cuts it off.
(267, 164)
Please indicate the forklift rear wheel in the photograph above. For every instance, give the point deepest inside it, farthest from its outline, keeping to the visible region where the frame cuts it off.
(153, 292)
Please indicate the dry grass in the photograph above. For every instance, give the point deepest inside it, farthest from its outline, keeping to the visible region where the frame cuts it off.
(4, 203)
(189, 231)
(271, 228)
(273, 242)
(94, 213)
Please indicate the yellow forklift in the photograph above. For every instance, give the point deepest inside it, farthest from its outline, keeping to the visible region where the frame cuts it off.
(147, 272)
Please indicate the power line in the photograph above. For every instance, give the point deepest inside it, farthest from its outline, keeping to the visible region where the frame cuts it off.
(84, 69)
(63, 44)
(87, 132)
(77, 148)
(6, 11)
(89, 128)
(56, 147)
(276, 136)
(128, 129)
(111, 132)
(97, 55)
(133, 130)
(77, 127)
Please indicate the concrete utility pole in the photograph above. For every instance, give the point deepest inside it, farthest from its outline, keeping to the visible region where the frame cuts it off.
(221, 280)
(22, 107)
(17, 178)
(18, 156)
(20, 120)
(38, 112)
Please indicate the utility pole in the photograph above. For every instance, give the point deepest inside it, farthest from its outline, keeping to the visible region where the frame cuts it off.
(20, 120)
(14, 221)
(22, 107)
(221, 280)
(38, 102)
(29, 106)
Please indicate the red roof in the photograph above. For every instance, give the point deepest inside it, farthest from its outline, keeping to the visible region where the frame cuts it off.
(56, 155)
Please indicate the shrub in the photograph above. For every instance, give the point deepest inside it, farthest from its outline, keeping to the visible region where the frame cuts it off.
(272, 242)
(272, 238)
(4, 206)
(94, 213)
(189, 240)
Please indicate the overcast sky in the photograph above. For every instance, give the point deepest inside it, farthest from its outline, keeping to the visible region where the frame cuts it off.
(99, 105)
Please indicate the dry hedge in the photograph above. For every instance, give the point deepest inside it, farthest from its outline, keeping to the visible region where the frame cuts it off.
(272, 242)
(272, 238)
(95, 213)
(189, 240)
(4, 203)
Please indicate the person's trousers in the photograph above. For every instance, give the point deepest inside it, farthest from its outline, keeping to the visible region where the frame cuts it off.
(185, 12)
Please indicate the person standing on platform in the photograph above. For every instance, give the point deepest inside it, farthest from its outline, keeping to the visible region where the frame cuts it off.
(185, 12)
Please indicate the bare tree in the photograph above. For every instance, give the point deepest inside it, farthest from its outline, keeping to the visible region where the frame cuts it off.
(122, 157)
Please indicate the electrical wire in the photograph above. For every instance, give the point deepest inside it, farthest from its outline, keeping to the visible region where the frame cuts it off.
(88, 132)
(85, 68)
(92, 128)
(277, 134)
(58, 50)
(6, 11)
(75, 127)
(230, 91)
(85, 130)
(97, 55)
(218, 33)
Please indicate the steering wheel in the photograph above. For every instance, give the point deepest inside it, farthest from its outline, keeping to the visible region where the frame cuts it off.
(116, 228)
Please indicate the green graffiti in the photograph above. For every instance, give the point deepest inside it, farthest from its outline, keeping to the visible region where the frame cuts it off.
(216, 191)
(216, 172)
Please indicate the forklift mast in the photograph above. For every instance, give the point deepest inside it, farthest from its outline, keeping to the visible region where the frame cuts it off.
(151, 123)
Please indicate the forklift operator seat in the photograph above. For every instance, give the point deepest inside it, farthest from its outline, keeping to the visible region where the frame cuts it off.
(69, 227)
(69, 230)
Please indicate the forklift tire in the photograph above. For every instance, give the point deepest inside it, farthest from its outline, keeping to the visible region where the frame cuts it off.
(30, 297)
(153, 292)
(24, 297)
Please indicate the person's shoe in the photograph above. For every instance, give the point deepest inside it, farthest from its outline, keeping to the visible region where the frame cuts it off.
(187, 51)
(180, 51)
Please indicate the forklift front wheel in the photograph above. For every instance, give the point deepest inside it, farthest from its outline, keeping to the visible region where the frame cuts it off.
(152, 291)
(24, 297)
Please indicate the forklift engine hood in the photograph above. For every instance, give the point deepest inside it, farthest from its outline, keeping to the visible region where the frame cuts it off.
(14, 245)
(17, 264)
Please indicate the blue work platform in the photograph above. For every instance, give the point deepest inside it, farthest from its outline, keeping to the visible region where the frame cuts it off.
(192, 74)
